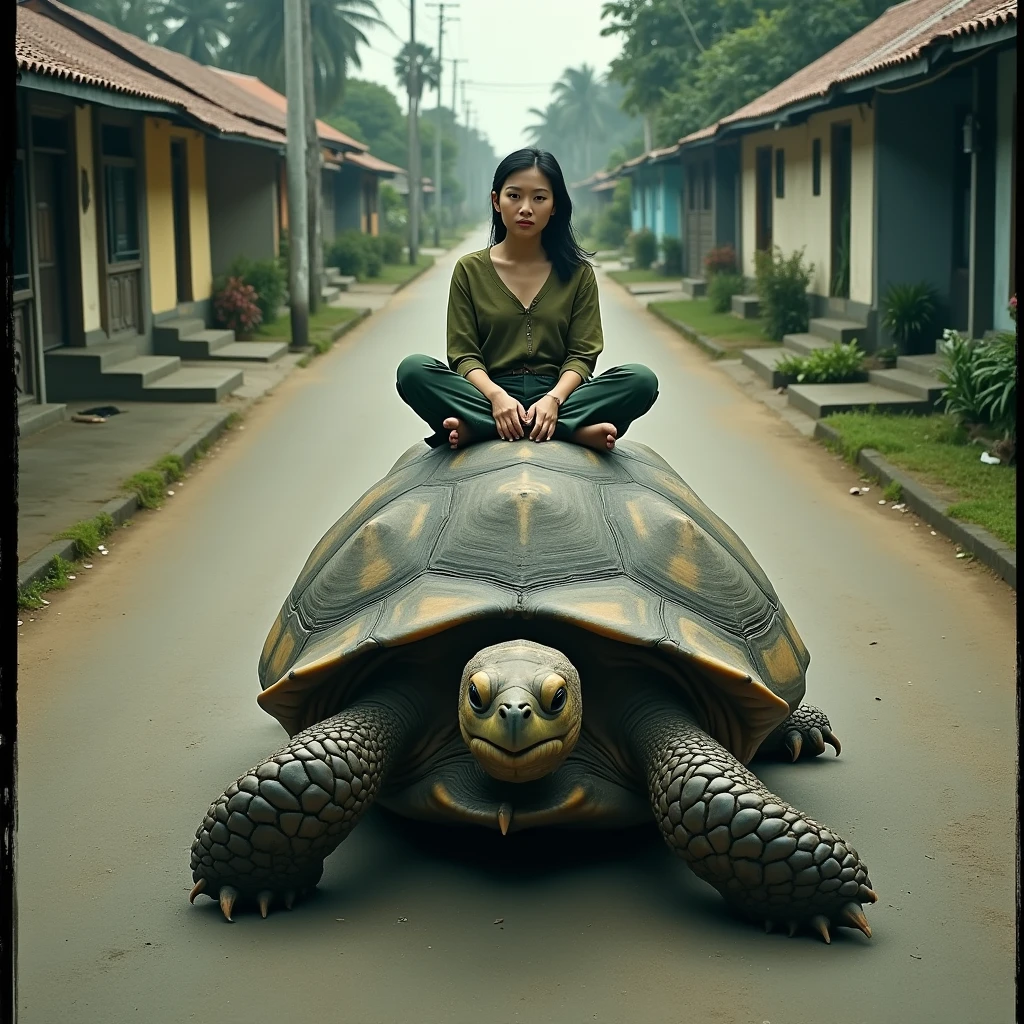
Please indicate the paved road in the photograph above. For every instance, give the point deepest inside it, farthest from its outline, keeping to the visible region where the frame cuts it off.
(136, 703)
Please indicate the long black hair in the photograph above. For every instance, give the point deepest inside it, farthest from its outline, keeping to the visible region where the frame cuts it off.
(557, 238)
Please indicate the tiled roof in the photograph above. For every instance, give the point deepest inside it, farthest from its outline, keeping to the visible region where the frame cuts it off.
(370, 162)
(901, 35)
(46, 47)
(603, 186)
(263, 92)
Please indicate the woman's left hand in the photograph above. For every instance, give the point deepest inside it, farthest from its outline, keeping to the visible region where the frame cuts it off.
(544, 416)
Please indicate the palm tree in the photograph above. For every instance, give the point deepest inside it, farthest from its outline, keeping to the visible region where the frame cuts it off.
(257, 43)
(142, 18)
(549, 130)
(584, 103)
(428, 69)
(203, 28)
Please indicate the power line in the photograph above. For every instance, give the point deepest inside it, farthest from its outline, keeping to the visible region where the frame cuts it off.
(510, 85)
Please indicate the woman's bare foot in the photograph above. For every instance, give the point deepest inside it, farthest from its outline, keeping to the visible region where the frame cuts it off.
(459, 435)
(600, 436)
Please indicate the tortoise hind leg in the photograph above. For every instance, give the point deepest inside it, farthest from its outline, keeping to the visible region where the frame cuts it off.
(768, 860)
(807, 729)
(265, 838)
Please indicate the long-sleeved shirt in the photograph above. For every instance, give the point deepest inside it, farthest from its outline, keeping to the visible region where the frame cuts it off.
(489, 329)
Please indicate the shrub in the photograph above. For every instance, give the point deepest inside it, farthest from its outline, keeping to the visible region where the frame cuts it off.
(672, 255)
(613, 222)
(644, 247)
(373, 255)
(908, 313)
(1013, 309)
(782, 288)
(834, 365)
(392, 247)
(236, 308)
(981, 381)
(583, 223)
(267, 278)
(720, 261)
(348, 253)
(721, 289)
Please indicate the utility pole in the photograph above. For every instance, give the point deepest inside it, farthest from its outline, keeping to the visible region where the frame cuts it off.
(415, 177)
(469, 147)
(314, 177)
(455, 62)
(437, 121)
(298, 213)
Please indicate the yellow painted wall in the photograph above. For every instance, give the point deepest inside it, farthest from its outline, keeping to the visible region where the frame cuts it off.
(801, 219)
(87, 228)
(163, 285)
(198, 216)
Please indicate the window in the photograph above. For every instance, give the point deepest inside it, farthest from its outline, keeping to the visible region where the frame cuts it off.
(780, 174)
(22, 280)
(816, 167)
(49, 133)
(706, 182)
(122, 215)
(116, 140)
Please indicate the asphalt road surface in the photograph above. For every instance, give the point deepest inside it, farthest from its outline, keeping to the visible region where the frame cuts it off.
(137, 708)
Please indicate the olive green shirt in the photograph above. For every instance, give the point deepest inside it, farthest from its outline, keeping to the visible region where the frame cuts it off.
(490, 330)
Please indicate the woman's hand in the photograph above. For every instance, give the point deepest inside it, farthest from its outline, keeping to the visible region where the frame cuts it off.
(509, 415)
(544, 416)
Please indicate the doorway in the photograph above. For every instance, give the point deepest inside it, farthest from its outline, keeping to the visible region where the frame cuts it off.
(763, 198)
(50, 143)
(179, 199)
(841, 160)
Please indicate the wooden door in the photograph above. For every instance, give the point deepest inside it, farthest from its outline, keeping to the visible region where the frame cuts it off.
(182, 237)
(763, 198)
(51, 250)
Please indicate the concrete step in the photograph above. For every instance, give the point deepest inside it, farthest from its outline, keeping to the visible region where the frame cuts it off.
(334, 277)
(194, 384)
(915, 384)
(833, 329)
(652, 287)
(199, 344)
(329, 293)
(804, 344)
(695, 287)
(252, 351)
(763, 360)
(94, 358)
(34, 417)
(177, 327)
(746, 307)
(925, 366)
(819, 400)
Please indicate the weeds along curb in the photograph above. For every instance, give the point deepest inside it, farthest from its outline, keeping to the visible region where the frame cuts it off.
(39, 566)
(419, 272)
(928, 506)
(710, 346)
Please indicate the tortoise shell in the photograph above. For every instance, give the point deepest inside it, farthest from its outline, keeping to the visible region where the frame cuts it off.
(616, 545)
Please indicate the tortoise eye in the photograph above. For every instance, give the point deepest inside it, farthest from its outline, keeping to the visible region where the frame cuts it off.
(480, 690)
(474, 697)
(558, 700)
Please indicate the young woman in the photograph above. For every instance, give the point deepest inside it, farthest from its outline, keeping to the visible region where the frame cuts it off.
(524, 330)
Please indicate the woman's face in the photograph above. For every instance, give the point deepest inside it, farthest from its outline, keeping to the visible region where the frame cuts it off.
(526, 202)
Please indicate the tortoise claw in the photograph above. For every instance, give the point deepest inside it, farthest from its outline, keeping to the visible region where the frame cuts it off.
(817, 740)
(768, 925)
(289, 899)
(794, 743)
(854, 916)
(264, 899)
(196, 890)
(870, 895)
(820, 922)
(792, 928)
(833, 739)
(227, 900)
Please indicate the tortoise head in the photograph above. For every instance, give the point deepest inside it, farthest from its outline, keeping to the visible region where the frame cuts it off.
(520, 709)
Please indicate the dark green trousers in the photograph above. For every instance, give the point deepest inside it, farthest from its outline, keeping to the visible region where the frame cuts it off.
(618, 396)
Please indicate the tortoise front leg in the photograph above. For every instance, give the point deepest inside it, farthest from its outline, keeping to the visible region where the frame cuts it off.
(268, 834)
(807, 729)
(770, 861)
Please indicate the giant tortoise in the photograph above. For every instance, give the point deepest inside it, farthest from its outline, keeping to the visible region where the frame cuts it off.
(525, 635)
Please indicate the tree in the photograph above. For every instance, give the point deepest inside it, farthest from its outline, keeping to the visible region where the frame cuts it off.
(427, 67)
(142, 18)
(201, 28)
(257, 42)
(370, 112)
(584, 105)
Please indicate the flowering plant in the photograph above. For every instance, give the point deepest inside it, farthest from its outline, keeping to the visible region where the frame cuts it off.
(1013, 309)
(237, 308)
(720, 261)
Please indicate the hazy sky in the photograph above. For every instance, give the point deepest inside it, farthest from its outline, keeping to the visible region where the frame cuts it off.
(522, 46)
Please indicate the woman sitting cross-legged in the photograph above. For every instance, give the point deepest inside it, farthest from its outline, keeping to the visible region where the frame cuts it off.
(524, 330)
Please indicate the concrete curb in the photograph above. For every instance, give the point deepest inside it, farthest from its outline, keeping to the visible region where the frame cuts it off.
(419, 273)
(347, 325)
(1000, 558)
(710, 346)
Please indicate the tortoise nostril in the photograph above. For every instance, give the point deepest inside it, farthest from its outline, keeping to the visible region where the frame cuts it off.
(526, 710)
(503, 711)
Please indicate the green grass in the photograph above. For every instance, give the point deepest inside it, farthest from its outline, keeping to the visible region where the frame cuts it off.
(935, 450)
(31, 597)
(148, 487)
(89, 534)
(321, 323)
(637, 276)
(725, 328)
(398, 273)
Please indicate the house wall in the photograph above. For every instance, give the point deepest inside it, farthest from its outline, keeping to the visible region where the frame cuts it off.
(1006, 98)
(198, 216)
(87, 227)
(160, 216)
(348, 190)
(241, 184)
(917, 137)
(803, 220)
(672, 183)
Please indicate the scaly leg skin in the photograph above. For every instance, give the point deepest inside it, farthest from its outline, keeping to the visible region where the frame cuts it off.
(268, 834)
(807, 729)
(768, 860)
